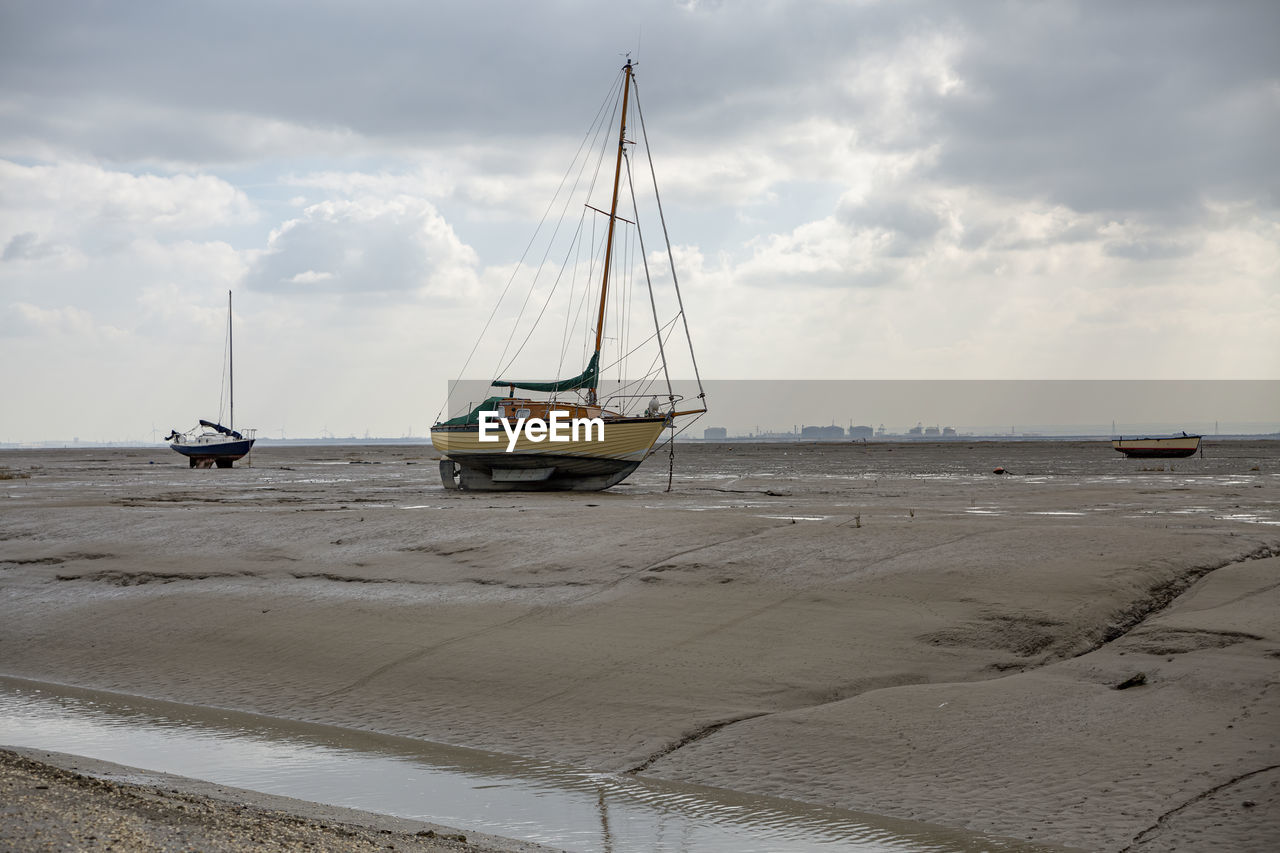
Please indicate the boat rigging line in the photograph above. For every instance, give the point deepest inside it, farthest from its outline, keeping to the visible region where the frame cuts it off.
(675, 280)
(594, 128)
(501, 369)
(662, 352)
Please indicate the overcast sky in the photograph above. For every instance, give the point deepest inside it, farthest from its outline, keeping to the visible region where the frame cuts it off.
(855, 190)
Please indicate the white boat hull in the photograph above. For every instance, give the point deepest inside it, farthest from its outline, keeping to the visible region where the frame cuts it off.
(1177, 446)
(581, 465)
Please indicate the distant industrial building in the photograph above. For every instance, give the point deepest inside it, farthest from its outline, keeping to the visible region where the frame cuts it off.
(715, 434)
(822, 433)
(861, 432)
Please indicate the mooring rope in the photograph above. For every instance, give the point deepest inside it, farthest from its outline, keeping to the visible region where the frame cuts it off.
(671, 456)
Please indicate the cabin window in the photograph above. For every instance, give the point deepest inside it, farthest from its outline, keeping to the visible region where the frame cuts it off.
(522, 413)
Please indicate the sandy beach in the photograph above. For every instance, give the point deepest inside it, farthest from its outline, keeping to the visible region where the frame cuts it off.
(1083, 651)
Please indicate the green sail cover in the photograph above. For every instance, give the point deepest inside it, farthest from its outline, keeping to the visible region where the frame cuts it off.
(473, 416)
(587, 379)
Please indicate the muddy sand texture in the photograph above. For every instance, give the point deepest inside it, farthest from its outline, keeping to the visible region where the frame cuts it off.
(892, 629)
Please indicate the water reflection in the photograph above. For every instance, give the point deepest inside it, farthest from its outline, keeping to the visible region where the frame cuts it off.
(471, 789)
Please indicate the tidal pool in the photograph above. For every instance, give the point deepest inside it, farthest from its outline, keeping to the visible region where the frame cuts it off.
(553, 804)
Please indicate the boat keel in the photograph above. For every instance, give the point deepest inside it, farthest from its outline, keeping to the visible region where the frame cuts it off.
(454, 476)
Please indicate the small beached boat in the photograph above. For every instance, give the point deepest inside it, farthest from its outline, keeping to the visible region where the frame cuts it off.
(571, 438)
(210, 443)
(1170, 446)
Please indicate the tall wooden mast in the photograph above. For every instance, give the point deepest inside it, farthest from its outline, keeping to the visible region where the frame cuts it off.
(613, 214)
(231, 366)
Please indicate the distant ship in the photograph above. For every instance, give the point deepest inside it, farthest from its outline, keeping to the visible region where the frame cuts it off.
(210, 443)
(1172, 446)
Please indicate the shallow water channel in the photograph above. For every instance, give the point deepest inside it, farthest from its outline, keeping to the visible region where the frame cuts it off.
(552, 804)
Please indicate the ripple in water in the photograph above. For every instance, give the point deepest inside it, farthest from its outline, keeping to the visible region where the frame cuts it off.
(470, 789)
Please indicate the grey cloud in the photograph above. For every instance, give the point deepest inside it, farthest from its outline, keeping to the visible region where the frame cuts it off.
(1150, 250)
(1137, 105)
(1005, 236)
(25, 246)
(913, 221)
(881, 273)
(382, 69)
(1131, 106)
(415, 71)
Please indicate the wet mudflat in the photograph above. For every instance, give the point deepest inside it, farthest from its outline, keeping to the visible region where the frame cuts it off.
(889, 629)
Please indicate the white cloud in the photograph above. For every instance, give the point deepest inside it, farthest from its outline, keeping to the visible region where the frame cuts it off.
(422, 182)
(311, 277)
(62, 216)
(1042, 292)
(64, 322)
(366, 245)
(895, 88)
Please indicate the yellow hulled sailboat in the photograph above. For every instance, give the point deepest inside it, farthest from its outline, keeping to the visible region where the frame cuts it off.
(570, 439)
